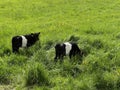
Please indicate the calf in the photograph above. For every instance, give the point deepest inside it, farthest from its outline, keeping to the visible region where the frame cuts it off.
(24, 41)
(67, 48)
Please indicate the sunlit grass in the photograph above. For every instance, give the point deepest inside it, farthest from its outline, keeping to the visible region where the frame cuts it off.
(93, 24)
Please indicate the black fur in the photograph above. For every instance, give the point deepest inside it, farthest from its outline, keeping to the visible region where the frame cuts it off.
(60, 51)
(17, 41)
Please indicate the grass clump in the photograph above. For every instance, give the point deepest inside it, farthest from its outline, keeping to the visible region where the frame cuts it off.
(97, 44)
(48, 45)
(86, 46)
(37, 75)
(73, 38)
(118, 36)
(4, 51)
(15, 59)
(94, 32)
(6, 74)
(70, 69)
(107, 80)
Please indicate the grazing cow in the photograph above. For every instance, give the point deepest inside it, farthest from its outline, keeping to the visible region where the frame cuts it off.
(24, 41)
(67, 48)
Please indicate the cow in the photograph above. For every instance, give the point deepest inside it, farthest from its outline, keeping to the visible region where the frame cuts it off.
(66, 48)
(24, 41)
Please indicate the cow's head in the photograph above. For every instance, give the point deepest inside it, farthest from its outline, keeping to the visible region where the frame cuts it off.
(35, 35)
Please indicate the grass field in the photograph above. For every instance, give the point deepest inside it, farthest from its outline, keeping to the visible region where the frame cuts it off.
(93, 24)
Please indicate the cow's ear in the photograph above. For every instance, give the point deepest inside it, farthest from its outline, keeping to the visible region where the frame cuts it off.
(38, 33)
(32, 34)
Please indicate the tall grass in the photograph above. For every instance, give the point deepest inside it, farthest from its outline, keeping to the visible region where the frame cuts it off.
(92, 24)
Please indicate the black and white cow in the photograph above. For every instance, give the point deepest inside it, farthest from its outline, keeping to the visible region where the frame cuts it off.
(67, 48)
(24, 41)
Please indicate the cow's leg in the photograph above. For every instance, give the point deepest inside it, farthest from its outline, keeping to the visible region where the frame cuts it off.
(71, 54)
(61, 58)
(56, 57)
(16, 43)
(15, 49)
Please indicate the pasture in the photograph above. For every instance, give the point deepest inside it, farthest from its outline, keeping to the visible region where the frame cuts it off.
(93, 24)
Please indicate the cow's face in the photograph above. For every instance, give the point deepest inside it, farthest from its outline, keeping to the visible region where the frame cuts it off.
(35, 35)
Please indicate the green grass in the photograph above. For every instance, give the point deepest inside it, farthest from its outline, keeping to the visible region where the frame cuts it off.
(93, 24)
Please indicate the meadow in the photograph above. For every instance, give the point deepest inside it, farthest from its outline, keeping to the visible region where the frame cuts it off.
(93, 24)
